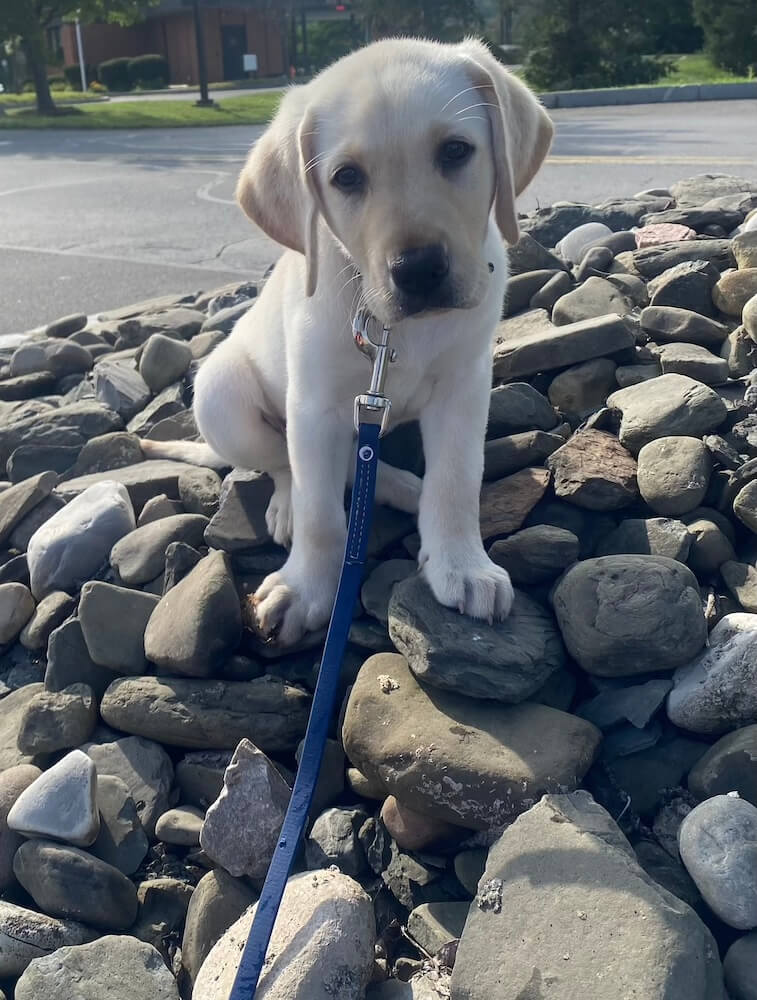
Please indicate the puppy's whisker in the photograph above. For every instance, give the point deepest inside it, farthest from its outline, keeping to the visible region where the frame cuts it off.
(472, 107)
(465, 90)
(473, 118)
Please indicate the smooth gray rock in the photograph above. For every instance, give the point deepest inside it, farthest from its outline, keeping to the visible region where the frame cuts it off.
(333, 840)
(18, 500)
(26, 935)
(11, 716)
(537, 554)
(665, 406)
(529, 255)
(471, 763)
(522, 287)
(207, 714)
(651, 261)
(74, 543)
(16, 608)
(505, 455)
(323, 937)
(741, 581)
(583, 389)
(377, 589)
(546, 347)
(656, 946)
(728, 766)
(507, 661)
(694, 361)
(120, 387)
(518, 407)
(163, 904)
(653, 536)
(113, 621)
(69, 883)
(140, 556)
(181, 321)
(13, 782)
(32, 460)
(72, 424)
(673, 474)
(163, 361)
(625, 615)
(200, 491)
(672, 325)
(687, 285)
(180, 825)
(710, 546)
(240, 521)
(745, 505)
(111, 968)
(66, 325)
(717, 691)
(595, 297)
(107, 452)
(51, 612)
(142, 481)
(60, 803)
(36, 517)
(718, 845)
(69, 662)
(738, 966)
(198, 623)
(433, 925)
(122, 841)
(146, 770)
(58, 720)
(199, 776)
(469, 867)
(159, 507)
(217, 902)
(242, 827)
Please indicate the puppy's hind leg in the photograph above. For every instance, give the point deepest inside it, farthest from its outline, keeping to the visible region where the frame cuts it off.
(395, 487)
(229, 412)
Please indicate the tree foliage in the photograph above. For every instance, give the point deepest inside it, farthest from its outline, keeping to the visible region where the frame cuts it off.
(581, 43)
(443, 20)
(730, 33)
(27, 21)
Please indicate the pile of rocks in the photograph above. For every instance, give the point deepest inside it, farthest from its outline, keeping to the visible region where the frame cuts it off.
(565, 802)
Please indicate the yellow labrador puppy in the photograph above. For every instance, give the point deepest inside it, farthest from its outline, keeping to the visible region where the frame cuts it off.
(391, 178)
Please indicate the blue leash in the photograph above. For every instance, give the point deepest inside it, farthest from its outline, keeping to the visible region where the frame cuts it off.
(372, 406)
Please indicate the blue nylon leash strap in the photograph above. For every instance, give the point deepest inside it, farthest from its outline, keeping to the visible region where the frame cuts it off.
(361, 510)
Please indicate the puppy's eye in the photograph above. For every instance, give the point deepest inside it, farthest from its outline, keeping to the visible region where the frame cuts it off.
(455, 152)
(348, 178)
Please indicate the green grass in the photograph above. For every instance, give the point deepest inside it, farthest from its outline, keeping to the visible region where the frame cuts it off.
(697, 68)
(59, 96)
(253, 110)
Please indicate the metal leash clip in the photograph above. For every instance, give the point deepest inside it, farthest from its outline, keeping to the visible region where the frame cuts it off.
(373, 406)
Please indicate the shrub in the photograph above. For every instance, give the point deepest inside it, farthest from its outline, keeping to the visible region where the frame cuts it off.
(114, 74)
(28, 87)
(150, 72)
(97, 88)
(72, 73)
(730, 33)
(57, 83)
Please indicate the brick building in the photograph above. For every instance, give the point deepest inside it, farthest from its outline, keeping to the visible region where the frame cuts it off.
(231, 31)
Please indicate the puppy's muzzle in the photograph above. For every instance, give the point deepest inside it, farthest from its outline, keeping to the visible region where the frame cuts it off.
(420, 276)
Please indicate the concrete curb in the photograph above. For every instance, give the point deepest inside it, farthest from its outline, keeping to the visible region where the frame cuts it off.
(649, 95)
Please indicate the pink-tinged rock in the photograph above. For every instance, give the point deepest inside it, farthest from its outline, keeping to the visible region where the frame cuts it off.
(662, 232)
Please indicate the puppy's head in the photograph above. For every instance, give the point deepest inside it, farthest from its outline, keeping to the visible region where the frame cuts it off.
(403, 150)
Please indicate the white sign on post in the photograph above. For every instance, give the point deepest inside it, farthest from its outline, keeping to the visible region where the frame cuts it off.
(250, 63)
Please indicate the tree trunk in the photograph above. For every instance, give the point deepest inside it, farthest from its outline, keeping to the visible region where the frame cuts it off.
(34, 50)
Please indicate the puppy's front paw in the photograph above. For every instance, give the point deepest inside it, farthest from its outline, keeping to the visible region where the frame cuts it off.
(288, 604)
(474, 585)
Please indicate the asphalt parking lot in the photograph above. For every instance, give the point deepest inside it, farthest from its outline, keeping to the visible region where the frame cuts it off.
(94, 220)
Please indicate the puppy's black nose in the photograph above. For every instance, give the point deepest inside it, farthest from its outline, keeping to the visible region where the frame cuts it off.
(420, 271)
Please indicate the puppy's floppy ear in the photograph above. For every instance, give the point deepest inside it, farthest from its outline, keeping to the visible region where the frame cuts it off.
(273, 188)
(521, 131)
